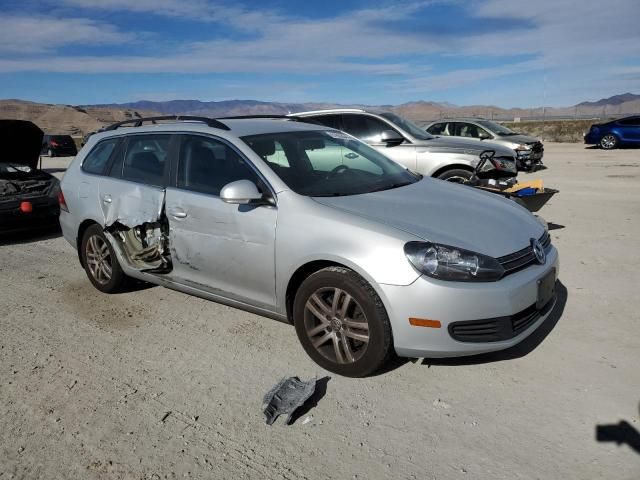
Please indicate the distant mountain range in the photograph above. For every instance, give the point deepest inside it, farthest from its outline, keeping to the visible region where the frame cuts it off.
(420, 110)
(77, 120)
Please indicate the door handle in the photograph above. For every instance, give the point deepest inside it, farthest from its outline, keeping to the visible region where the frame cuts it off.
(178, 213)
(106, 198)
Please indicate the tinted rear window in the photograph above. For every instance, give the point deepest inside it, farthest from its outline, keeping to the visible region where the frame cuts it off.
(97, 159)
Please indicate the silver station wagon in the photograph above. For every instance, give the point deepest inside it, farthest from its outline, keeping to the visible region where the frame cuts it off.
(308, 225)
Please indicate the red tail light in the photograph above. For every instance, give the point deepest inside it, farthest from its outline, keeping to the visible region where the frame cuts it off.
(26, 207)
(54, 144)
(62, 202)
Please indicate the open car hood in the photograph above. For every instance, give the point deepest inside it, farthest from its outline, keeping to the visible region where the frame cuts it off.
(21, 142)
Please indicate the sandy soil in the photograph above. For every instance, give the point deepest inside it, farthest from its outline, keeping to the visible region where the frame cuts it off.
(86, 379)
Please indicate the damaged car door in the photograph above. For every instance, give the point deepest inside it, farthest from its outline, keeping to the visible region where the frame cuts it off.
(221, 248)
(132, 202)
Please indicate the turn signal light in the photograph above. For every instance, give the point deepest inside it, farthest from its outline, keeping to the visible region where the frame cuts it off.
(424, 322)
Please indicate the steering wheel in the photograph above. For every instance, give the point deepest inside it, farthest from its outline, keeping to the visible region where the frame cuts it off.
(337, 170)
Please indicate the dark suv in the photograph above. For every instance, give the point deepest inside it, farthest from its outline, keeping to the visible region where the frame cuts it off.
(58, 146)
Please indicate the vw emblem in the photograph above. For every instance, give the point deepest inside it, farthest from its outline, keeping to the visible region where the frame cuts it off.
(538, 251)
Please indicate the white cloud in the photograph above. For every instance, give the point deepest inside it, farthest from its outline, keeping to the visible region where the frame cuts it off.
(577, 44)
(28, 34)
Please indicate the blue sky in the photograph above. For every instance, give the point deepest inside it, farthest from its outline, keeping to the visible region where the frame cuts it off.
(500, 52)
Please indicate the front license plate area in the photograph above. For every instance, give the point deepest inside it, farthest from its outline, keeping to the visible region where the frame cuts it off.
(546, 289)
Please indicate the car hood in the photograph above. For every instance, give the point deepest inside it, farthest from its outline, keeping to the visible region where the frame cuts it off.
(463, 145)
(518, 139)
(21, 141)
(449, 214)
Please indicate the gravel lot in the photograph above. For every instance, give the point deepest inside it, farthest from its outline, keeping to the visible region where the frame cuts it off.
(86, 378)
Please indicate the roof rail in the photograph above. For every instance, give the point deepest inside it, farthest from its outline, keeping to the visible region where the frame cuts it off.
(240, 117)
(283, 117)
(329, 110)
(137, 122)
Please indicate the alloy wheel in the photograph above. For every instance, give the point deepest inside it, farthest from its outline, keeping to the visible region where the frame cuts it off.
(336, 325)
(608, 142)
(98, 258)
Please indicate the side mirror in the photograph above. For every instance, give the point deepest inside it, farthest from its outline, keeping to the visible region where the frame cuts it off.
(484, 136)
(391, 138)
(240, 192)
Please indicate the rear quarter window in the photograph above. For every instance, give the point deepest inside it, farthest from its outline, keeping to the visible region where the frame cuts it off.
(97, 159)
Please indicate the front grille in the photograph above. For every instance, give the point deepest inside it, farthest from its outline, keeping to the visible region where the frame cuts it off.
(537, 147)
(497, 329)
(521, 259)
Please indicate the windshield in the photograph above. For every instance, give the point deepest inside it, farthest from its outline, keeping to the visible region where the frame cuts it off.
(10, 168)
(408, 126)
(496, 128)
(325, 163)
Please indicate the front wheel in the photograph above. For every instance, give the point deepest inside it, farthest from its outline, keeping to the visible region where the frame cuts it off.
(51, 153)
(608, 142)
(342, 323)
(456, 175)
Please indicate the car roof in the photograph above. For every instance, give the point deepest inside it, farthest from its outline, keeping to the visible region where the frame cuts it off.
(237, 127)
(462, 119)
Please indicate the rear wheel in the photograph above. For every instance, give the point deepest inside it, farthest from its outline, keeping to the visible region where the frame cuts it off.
(100, 262)
(608, 142)
(456, 175)
(342, 323)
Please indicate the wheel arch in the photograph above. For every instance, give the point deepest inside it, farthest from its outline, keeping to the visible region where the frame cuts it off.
(452, 166)
(312, 266)
(84, 225)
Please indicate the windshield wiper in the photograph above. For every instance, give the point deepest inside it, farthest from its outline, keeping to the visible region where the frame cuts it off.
(390, 187)
(334, 194)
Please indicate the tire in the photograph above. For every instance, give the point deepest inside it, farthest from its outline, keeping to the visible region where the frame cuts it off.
(609, 142)
(107, 276)
(456, 175)
(51, 153)
(339, 326)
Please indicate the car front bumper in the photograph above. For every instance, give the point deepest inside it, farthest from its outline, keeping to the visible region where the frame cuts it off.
(452, 302)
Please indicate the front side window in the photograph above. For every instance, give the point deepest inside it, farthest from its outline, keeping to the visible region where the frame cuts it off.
(366, 128)
(496, 128)
(468, 130)
(98, 157)
(332, 121)
(146, 159)
(437, 129)
(407, 125)
(329, 163)
(205, 165)
(630, 122)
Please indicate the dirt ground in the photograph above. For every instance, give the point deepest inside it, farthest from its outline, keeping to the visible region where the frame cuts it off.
(156, 384)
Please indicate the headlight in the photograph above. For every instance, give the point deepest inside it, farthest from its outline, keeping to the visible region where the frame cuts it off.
(451, 263)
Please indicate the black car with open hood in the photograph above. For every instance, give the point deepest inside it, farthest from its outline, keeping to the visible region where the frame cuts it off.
(28, 196)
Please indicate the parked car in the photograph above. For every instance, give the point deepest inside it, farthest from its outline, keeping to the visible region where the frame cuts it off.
(308, 225)
(58, 145)
(406, 143)
(28, 196)
(529, 150)
(622, 132)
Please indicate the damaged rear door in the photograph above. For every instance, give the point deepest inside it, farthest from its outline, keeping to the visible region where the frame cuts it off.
(132, 201)
(218, 247)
